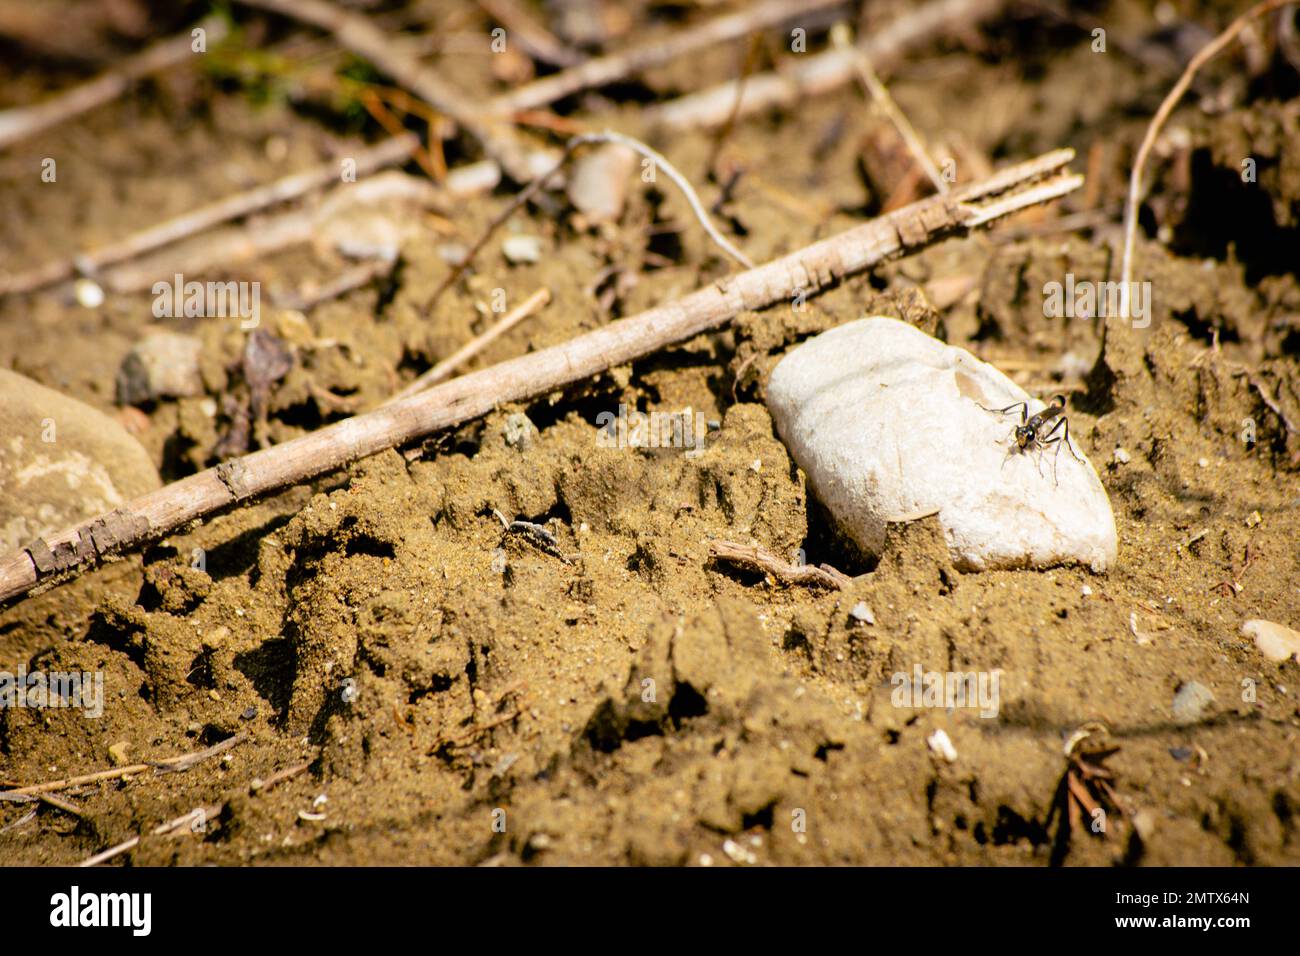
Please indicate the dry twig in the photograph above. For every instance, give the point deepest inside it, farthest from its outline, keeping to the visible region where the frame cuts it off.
(169, 765)
(205, 217)
(537, 41)
(610, 69)
(752, 556)
(801, 273)
(813, 75)
(880, 93)
(356, 33)
(443, 370)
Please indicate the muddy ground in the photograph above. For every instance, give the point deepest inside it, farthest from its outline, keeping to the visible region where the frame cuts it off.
(465, 697)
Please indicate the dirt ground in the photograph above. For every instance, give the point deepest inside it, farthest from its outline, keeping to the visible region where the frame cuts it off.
(466, 697)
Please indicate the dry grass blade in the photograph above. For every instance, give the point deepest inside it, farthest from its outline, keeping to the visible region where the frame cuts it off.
(1207, 53)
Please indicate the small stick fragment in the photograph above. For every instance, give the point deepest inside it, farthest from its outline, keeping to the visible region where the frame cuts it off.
(169, 765)
(67, 806)
(25, 819)
(610, 69)
(111, 852)
(357, 34)
(752, 556)
(816, 74)
(843, 40)
(349, 280)
(530, 306)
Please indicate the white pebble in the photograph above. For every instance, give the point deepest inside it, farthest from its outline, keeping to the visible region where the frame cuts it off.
(941, 744)
(1275, 642)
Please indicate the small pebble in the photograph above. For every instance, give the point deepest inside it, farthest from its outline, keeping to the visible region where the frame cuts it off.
(520, 432)
(520, 250)
(1276, 642)
(117, 753)
(941, 744)
(862, 613)
(161, 365)
(1122, 457)
(88, 294)
(249, 713)
(1191, 702)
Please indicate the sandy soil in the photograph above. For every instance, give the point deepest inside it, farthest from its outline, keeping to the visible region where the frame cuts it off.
(465, 697)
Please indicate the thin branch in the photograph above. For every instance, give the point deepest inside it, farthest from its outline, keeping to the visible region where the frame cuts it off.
(111, 852)
(1206, 53)
(24, 121)
(357, 34)
(752, 556)
(443, 370)
(270, 234)
(169, 765)
(187, 224)
(811, 75)
(618, 66)
(801, 273)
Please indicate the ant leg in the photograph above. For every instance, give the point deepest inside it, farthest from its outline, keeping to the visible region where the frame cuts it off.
(1023, 406)
(1061, 422)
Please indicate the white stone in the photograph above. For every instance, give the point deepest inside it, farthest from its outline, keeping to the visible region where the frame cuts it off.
(522, 249)
(1275, 642)
(886, 422)
(941, 744)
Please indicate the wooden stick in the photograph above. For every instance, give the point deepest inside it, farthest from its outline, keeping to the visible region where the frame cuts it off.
(368, 160)
(1206, 53)
(111, 852)
(443, 370)
(803, 272)
(269, 234)
(169, 765)
(609, 69)
(356, 33)
(752, 556)
(816, 74)
(23, 121)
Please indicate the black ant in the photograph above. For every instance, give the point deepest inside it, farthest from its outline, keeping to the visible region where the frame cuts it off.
(1033, 430)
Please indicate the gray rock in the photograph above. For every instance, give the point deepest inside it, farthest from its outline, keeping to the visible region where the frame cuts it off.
(520, 432)
(886, 422)
(1191, 702)
(61, 462)
(862, 613)
(161, 365)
